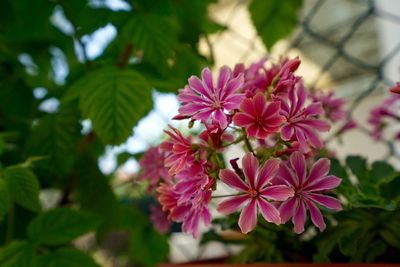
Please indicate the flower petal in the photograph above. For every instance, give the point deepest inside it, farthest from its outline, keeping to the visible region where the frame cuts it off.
(277, 192)
(243, 119)
(319, 169)
(208, 80)
(324, 183)
(268, 211)
(326, 201)
(220, 117)
(232, 179)
(250, 166)
(259, 103)
(196, 85)
(267, 172)
(287, 209)
(224, 75)
(287, 132)
(316, 216)
(286, 175)
(248, 217)
(232, 204)
(299, 218)
(298, 163)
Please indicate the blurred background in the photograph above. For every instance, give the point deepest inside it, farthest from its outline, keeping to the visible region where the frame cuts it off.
(349, 46)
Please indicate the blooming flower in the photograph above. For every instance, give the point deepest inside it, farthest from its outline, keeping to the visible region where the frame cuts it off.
(301, 122)
(389, 109)
(255, 192)
(333, 106)
(259, 117)
(395, 89)
(202, 100)
(159, 218)
(179, 151)
(153, 169)
(307, 191)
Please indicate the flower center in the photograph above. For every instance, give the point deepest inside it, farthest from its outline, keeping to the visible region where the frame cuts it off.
(252, 193)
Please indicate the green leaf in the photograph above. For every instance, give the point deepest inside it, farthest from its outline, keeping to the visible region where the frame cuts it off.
(96, 195)
(115, 100)
(23, 187)
(144, 240)
(358, 167)
(390, 238)
(56, 136)
(5, 199)
(382, 172)
(67, 257)
(155, 35)
(274, 19)
(18, 254)
(61, 225)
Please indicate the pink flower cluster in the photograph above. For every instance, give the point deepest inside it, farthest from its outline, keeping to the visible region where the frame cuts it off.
(386, 113)
(269, 112)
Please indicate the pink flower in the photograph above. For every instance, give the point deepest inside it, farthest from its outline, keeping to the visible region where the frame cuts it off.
(179, 151)
(333, 106)
(213, 136)
(159, 218)
(255, 192)
(395, 89)
(307, 191)
(259, 117)
(301, 123)
(203, 101)
(153, 169)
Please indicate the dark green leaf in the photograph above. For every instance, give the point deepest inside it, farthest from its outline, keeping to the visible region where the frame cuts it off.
(358, 167)
(67, 257)
(274, 19)
(114, 100)
(5, 199)
(382, 172)
(56, 136)
(18, 254)
(390, 238)
(61, 225)
(155, 35)
(23, 187)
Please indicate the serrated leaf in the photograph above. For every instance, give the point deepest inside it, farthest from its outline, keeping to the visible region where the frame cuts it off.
(274, 19)
(154, 34)
(5, 199)
(55, 136)
(67, 257)
(18, 254)
(115, 100)
(23, 187)
(61, 225)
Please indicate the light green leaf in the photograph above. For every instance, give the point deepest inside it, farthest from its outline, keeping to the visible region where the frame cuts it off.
(5, 199)
(23, 187)
(274, 19)
(56, 137)
(18, 254)
(61, 225)
(115, 100)
(67, 257)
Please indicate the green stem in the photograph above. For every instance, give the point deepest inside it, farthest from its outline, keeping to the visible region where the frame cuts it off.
(247, 143)
(230, 195)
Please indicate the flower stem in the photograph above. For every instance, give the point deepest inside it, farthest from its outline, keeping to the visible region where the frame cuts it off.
(230, 195)
(247, 143)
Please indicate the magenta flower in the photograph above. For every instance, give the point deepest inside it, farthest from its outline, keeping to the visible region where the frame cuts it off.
(159, 218)
(301, 123)
(381, 115)
(308, 191)
(201, 100)
(153, 169)
(395, 89)
(179, 151)
(259, 117)
(333, 106)
(255, 192)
